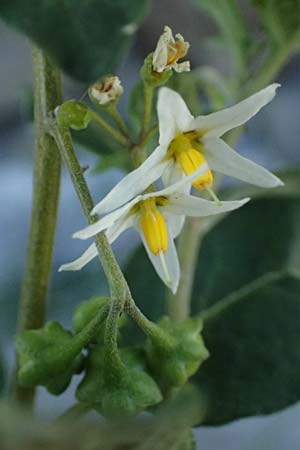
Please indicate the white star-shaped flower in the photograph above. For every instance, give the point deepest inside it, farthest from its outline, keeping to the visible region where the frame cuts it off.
(157, 216)
(186, 142)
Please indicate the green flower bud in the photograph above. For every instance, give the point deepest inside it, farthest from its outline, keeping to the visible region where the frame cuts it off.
(152, 77)
(47, 357)
(118, 391)
(73, 114)
(87, 310)
(106, 91)
(174, 365)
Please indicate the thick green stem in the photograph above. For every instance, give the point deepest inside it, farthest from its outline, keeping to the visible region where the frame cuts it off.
(148, 99)
(46, 181)
(117, 283)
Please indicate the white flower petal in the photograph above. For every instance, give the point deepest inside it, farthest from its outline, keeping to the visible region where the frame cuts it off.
(218, 123)
(222, 158)
(182, 67)
(135, 182)
(180, 186)
(173, 115)
(172, 174)
(107, 221)
(160, 55)
(175, 223)
(80, 262)
(171, 260)
(192, 206)
(120, 226)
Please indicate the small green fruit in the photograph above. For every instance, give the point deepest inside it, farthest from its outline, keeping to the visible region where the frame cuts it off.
(119, 391)
(174, 366)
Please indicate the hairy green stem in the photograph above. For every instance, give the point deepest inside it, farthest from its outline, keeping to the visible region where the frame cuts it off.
(46, 182)
(119, 290)
(112, 110)
(152, 330)
(117, 283)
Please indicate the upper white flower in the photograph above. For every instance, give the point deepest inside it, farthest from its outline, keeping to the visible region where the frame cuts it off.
(168, 51)
(186, 142)
(158, 217)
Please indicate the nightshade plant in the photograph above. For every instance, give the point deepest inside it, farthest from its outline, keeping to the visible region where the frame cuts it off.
(196, 347)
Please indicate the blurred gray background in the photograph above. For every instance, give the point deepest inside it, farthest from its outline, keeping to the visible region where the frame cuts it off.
(272, 138)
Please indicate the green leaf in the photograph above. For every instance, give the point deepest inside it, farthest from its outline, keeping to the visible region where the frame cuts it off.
(227, 14)
(251, 262)
(280, 19)
(85, 38)
(2, 373)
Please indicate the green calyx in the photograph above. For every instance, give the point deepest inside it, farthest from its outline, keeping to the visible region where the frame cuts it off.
(173, 366)
(150, 76)
(117, 391)
(73, 114)
(48, 357)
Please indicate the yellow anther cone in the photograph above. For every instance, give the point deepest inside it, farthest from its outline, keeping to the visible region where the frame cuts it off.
(190, 161)
(154, 227)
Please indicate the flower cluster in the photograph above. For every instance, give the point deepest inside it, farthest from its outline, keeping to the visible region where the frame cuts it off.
(189, 152)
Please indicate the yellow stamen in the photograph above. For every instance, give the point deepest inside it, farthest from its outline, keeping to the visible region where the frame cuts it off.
(214, 197)
(190, 159)
(153, 226)
(177, 51)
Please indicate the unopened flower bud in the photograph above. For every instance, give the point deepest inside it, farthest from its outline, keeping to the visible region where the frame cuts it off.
(73, 114)
(106, 91)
